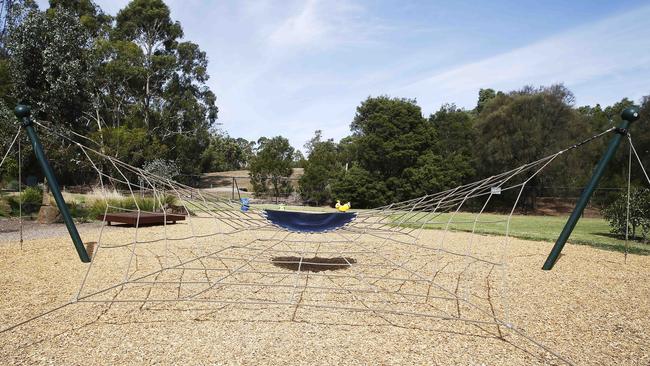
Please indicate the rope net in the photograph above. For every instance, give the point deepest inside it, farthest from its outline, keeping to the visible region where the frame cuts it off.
(422, 263)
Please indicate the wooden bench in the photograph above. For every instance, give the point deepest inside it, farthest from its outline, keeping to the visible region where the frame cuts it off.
(146, 218)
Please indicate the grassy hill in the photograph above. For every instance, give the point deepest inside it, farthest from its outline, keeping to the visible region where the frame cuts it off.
(225, 179)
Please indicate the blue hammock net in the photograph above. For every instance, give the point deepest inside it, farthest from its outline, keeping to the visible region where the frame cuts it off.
(306, 222)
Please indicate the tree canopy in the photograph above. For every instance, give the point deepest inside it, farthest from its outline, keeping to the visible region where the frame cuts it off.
(135, 86)
(321, 167)
(397, 154)
(129, 81)
(272, 165)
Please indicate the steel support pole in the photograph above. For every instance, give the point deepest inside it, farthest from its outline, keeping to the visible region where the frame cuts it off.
(23, 113)
(629, 115)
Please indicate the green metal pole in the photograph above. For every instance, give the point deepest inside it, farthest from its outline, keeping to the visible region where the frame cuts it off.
(629, 115)
(23, 113)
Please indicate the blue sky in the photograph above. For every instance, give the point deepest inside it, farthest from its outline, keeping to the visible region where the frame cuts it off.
(292, 67)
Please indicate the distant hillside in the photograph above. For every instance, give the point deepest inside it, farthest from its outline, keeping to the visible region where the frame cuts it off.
(224, 179)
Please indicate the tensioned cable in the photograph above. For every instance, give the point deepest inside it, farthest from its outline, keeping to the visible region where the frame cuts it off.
(409, 211)
(20, 191)
(627, 205)
(10, 146)
(645, 173)
(367, 212)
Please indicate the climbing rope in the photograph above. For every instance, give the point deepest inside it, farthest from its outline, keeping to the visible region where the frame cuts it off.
(20, 195)
(627, 213)
(9, 148)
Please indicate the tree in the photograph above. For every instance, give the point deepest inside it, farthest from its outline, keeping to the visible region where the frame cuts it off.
(299, 160)
(50, 68)
(454, 128)
(90, 15)
(166, 79)
(9, 169)
(390, 134)
(227, 153)
(309, 145)
(455, 144)
(148, 24)
(82, 71)
(393, 144)
(118, 79)
(271, 166)
(134, 145)
(525, 125)
(600, 119)
(358, 186)
(321, 167)
(484, 96)
(617, 169)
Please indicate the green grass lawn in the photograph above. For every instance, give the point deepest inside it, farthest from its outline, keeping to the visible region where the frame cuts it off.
(589, 231)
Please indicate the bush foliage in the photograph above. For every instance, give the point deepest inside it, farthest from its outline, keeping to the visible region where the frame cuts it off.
(639, 213)
(30, 199)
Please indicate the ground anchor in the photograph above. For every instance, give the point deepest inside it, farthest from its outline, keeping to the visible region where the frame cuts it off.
(629, 115)
(23, 113)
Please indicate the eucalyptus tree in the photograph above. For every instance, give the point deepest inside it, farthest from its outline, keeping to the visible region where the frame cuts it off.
(129, 82)
(271, 166)
(158, 82)
(148, 24)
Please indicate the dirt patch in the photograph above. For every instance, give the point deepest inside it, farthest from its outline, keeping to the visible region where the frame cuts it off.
(551, 206)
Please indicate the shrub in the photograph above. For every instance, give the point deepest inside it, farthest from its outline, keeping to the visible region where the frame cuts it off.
(32, 197)
(78, 210)
(98, 207)
(9, 171)
(163, 168)
(12, 185)
(169, 199)
(616, 213)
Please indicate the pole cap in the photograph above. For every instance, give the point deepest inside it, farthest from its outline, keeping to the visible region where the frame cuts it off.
(22, 110)
(630, 114)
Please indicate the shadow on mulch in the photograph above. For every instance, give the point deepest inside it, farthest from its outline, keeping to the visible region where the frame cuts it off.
(141, 225)
(313, 264)
(621, 237)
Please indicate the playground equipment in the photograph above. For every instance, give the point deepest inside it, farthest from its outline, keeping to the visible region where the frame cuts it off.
(383, 261)
(629, 115)
(341, 207)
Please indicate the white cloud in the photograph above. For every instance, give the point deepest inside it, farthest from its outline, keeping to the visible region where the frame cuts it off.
(319, 24)
(304, 28)
(616, 45)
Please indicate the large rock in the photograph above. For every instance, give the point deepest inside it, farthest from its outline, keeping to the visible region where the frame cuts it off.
(46, 198)
(49, 215)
